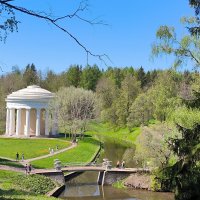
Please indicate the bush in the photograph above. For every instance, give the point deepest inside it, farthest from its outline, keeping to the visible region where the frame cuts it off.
(36, 184)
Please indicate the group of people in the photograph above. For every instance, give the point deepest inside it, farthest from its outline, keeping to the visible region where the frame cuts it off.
(18, 157)
(28, 168)
(120, 165)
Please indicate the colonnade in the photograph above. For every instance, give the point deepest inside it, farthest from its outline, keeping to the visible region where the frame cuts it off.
(15, 125)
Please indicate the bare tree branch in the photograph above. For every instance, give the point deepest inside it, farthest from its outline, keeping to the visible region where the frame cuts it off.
(82, 6)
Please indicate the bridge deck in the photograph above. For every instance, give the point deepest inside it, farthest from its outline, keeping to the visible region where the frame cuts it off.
(93, 168)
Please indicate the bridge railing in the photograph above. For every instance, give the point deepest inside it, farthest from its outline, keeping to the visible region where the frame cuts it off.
(78, 164)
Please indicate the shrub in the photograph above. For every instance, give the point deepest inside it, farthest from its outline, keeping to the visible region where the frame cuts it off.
(36, 184)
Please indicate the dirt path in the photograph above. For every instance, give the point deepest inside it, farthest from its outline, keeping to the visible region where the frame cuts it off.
(9, 168)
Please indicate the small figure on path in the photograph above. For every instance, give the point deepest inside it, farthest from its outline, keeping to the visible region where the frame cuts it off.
(17, 156)
(118, 164)
(26, 169)
(123, 164)
(52, 151)
(22, 157)
(29, 169)
(56, 147)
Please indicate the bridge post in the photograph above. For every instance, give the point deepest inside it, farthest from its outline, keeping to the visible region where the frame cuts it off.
(101, 178)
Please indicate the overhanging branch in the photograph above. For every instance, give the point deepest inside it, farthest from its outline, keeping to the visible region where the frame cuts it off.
(55, 21)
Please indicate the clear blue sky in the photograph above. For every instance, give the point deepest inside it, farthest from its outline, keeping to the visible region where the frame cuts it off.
(127, 40)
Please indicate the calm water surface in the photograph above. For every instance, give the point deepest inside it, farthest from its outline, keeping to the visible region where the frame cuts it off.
(85, 186)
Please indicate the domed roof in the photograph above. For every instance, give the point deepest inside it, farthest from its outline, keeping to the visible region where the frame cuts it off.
(30, 93)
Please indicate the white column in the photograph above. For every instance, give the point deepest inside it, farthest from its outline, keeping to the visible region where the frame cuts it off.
(27, 127)
(12, 121)
(46, 122)
(18, 122)
(38, 122)
(7, 121)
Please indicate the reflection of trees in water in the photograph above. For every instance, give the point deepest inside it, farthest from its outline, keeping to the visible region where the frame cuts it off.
(82, 190)
(128, 157)
(117, 152)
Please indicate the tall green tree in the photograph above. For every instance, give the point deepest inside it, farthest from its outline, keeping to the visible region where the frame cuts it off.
(73, 75)
(141, 111)
(30, 75)
(129, 90)
(90, 76)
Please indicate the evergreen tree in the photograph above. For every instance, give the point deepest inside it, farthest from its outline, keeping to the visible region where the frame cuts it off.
(30, 76)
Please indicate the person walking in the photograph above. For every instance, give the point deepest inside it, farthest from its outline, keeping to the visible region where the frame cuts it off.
(29, 168)
(17, 156)
(22, 157)
(123, 164)
(26, 169)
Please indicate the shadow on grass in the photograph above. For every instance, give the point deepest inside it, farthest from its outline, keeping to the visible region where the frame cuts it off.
(10, 163)
(7, 194)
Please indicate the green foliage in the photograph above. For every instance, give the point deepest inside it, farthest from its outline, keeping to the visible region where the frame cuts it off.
(140, 111)
(75, 107)
(119, 185)
(90, 76)
(14, 185)
(35, 184)
(187, 48)
(73, 75)
(186, 117)
(8, 22)
(152, 147)
(30, 75)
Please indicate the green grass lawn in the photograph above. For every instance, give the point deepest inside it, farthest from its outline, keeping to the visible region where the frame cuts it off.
(123, 134)
(84, 152)
(11, 189)
(30, 147)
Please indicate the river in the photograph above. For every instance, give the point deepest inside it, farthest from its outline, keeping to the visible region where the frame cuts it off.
(85, 186)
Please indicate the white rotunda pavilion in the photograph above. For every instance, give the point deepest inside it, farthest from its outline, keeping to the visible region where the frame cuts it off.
(28, 113)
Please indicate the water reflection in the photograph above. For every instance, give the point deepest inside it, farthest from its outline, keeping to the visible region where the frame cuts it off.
(115, 151)
(84, 187)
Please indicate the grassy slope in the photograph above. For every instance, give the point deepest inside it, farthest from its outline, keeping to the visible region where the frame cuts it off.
(9, 190)
(84, 152)
(121, 134)
(30, 147)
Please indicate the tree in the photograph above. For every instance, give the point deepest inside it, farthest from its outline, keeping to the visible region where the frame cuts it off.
(30, 75)
(76, 107)
(90, 76)
(152, 149)
(129, 90)
(163, 95)
(141, 111)
(73, 75)
(195, 29)
(115, 74)
(52, 81)
(10, 24)
(188, 47)
(106, 91)
(141, 76)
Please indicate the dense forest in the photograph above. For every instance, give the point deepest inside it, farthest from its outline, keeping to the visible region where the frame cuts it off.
(128, 96)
